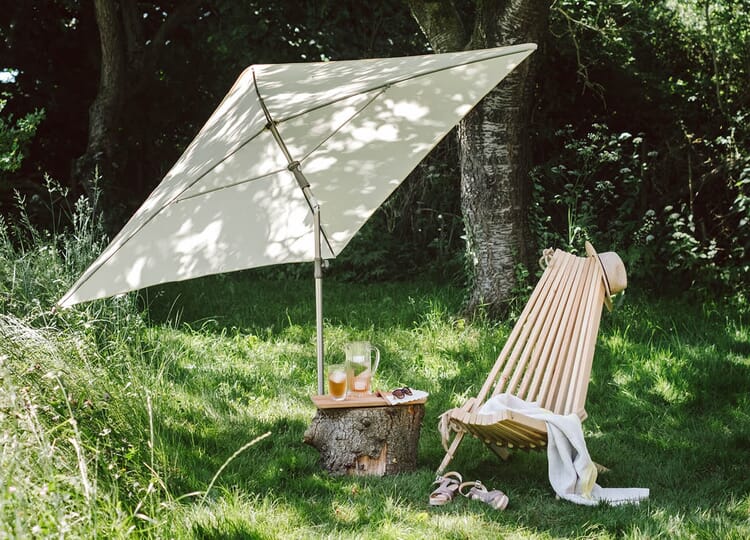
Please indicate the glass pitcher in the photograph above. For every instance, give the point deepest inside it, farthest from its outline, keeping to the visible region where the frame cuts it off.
(360, 366)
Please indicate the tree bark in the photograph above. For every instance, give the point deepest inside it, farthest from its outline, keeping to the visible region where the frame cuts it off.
(363, 441)
(441, 23)
(107, 106)
(494, 142)
(496, 158)
(128, 62)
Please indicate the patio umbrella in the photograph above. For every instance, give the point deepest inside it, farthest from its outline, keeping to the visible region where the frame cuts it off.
(291, 164)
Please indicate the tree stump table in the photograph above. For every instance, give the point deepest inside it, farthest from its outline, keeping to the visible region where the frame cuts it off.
(366, 435)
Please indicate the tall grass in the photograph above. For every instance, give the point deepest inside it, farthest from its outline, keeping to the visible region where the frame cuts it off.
(147, 416)
(81, 450)
(72, 395)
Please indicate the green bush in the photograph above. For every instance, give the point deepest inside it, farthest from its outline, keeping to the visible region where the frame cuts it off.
(600, 188)
(15, 136)
(643, 131)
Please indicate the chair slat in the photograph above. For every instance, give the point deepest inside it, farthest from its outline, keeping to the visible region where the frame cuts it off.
(532, 347)
(558, 354)
(492, 377)
(597, 299)
(582, 343)
(552, 328)
(569, 358)
(538, 361)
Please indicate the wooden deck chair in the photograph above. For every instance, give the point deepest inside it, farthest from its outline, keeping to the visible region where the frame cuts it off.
(547, 357)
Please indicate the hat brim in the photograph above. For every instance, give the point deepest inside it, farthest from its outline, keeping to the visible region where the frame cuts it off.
(591, 252)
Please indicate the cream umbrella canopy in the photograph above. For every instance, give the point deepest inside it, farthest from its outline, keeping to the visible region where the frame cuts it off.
(291, 164)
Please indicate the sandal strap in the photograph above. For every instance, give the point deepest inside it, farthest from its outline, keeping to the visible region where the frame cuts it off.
(477, 487)
(450, 477)
(496, 499)
(443, 490)
(448, 485)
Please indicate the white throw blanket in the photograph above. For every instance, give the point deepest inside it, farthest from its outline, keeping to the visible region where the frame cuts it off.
(571, 471)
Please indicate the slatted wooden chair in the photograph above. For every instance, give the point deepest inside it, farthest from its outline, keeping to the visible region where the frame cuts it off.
(547, 357)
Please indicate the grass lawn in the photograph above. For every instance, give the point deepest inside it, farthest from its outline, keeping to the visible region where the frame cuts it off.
(221, 361)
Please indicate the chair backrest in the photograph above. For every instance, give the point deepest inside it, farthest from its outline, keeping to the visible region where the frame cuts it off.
(547, 357)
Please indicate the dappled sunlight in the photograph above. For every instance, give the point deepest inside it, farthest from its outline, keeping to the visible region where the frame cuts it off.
(319, 164)
(409, 110)
(676, 371)
(134, 274)
(356, 129)
(211, 385)
(246, 515)
(369, 133)
(690, 523)
(206, 241)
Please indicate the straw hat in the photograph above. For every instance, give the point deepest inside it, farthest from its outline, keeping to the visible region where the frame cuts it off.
(615, 278)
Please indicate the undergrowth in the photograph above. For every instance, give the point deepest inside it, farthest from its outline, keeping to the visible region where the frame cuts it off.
(180, 413)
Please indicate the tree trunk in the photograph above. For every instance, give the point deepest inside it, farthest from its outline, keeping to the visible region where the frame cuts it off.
(106, 108)
(494, 142)
(128, 63)
(363, 441)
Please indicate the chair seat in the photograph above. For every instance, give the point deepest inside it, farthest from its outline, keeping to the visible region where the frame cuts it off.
(546, 359)
(508, 429)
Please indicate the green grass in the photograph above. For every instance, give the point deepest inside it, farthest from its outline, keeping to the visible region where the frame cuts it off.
(162, 403)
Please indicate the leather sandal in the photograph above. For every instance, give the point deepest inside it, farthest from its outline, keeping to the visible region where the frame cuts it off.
(448, 486)
(495, 498)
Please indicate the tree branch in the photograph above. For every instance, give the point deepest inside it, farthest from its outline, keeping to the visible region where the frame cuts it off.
(135, 41)
(440, 23)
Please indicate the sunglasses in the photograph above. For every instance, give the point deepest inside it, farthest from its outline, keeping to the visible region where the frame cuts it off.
(400, 393)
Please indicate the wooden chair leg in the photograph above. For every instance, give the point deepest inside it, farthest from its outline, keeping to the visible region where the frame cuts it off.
(502, 452)
(449, 454)
(470, 403)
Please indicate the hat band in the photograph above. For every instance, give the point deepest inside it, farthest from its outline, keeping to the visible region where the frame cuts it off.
(606, 279)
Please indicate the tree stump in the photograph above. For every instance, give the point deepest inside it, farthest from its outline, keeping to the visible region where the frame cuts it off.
(367, 440)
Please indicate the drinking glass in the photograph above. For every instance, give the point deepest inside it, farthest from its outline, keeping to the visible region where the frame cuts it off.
(337, 381)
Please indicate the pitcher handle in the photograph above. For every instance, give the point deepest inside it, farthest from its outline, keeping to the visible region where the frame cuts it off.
(377, 358)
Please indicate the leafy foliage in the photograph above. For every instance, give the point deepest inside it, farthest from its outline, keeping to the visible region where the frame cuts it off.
(641, 129)
(15, 136)
(656, 165)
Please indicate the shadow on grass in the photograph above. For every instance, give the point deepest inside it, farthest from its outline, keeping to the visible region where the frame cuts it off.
(240, 300)
(667, 409)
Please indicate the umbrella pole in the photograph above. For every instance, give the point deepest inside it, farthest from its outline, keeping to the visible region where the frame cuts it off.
(318, 296)
(294, 167)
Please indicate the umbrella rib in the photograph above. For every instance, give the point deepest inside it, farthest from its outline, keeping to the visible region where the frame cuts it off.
(294, 165)
(385, 85)
(254, 178)
(239, 147)
(228, 186)
(356, 113)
